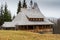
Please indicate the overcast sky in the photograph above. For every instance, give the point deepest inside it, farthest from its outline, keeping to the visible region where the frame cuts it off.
(50, 8)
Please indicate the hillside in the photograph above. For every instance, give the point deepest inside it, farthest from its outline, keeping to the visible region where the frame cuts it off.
(22, 35)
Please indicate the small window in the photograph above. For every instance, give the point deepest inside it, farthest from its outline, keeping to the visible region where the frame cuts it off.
(36, 19)
(39, 19)
(33, 19)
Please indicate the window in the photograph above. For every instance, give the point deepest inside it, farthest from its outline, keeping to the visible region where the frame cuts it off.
(36, 19)
(33, 19)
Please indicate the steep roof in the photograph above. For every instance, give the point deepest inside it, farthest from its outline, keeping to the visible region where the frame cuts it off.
(8, 24)
(33, 13)
(21, 19)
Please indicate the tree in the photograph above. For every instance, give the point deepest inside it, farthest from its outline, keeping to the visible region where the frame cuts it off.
(1, 11)
(19, 7)
(7, 14)
(57, 28)
(24, 4)
(1, 15)
(31, 3)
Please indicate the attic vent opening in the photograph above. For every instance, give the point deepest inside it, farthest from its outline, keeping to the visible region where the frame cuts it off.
(36, 19)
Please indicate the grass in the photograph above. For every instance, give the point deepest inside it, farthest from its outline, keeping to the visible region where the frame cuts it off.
(23, 35)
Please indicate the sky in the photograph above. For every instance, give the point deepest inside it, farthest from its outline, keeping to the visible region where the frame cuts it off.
(49, 8)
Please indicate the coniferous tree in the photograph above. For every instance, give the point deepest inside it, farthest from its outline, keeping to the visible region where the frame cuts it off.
(19, 7)
(24, 4)
(1, 11)
(31, 3)
(1, 16)
(7, 15)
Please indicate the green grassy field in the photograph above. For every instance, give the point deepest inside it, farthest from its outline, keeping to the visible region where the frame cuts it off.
(23, 35)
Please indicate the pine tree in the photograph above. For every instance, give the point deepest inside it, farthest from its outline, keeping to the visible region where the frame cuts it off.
(19, 7)
(1, 10)
(1, 16)
(24, 4)
(31, 3)
(7, 14)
